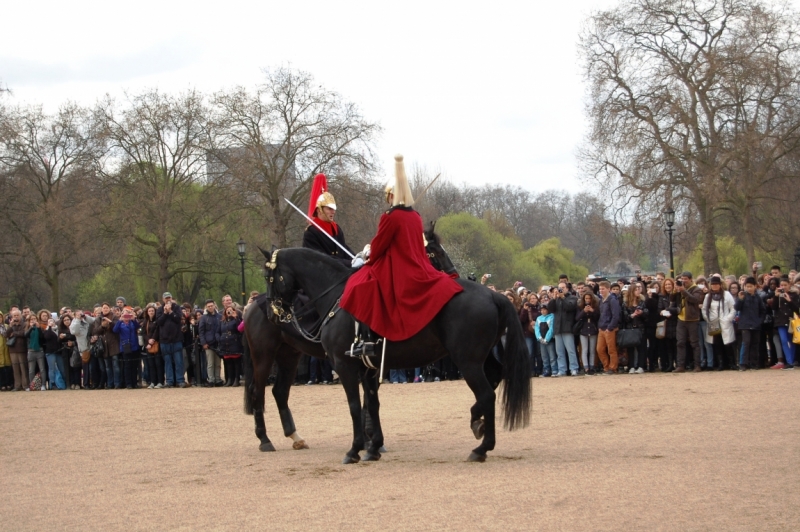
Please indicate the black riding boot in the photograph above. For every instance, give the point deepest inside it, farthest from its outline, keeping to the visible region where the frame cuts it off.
(365, 343)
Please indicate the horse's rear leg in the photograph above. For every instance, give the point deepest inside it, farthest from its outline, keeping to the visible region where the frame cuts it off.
(483, 408)
(287, 359)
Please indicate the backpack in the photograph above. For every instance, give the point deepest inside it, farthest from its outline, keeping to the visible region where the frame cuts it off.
(36, 383)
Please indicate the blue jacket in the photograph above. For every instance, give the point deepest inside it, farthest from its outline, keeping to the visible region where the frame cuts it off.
(609, 314)
(209, 329)
(548, 319)
(127, 334)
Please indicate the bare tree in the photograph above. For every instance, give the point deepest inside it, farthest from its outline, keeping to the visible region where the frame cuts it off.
(678, 89)
(275, 139)
(165, 202)
(47, 164)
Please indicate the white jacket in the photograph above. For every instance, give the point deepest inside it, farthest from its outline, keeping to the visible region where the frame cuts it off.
(724, 311)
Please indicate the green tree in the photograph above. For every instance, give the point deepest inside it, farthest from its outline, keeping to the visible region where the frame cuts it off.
(544, 262)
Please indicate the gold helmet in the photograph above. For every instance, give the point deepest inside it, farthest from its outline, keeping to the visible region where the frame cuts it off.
(388, 191)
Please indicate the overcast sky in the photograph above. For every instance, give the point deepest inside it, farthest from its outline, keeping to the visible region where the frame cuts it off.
(483, 92)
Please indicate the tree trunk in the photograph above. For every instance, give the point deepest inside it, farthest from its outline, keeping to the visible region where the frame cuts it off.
(163, 272)
(710, 256)
(55, 289)
(747, 230)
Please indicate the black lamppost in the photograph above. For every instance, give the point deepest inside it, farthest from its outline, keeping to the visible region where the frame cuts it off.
(796, 257)
(240, 245)
(669, 218)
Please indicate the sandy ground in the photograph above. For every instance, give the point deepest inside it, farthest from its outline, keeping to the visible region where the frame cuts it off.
(631, 452)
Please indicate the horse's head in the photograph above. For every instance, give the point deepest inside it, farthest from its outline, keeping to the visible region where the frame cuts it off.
(281, 284)
(436, 253)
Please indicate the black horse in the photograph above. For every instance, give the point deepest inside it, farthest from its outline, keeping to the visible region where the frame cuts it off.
(271, 341)
(466, 328)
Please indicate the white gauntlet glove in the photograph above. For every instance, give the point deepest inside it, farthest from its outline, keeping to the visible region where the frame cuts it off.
(357, 262)
(366, 251)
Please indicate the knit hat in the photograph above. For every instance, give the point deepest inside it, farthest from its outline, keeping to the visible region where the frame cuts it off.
(120, 298)
(715, 279)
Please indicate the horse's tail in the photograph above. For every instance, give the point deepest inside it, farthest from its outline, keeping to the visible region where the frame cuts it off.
(516, 394)
(249, 381)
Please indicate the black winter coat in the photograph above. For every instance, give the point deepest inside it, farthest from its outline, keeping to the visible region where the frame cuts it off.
(563, 311)
(590, 319)
(783, 310)
(314, 239)
(668, 302)
(169, 325)
(751, 312)
(230, 339)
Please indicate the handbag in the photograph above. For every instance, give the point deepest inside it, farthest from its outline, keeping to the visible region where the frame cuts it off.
(11, 341)
(661, 329)
(629, 337)
(714, 328)
(75, 360)
(153, 349)
(86, 356)
(795, 324)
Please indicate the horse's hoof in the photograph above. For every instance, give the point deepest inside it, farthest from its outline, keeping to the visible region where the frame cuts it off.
(475, 457)
(382, 449)
(266, 447)
(351, 459)
(478, 428)
(301, 444)
(369, 457)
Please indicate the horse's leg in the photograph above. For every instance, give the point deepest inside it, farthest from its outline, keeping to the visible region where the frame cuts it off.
(485, 402)
(348, 376)
(372, 404)
(261, 368)
(494, 374)
(287, 359)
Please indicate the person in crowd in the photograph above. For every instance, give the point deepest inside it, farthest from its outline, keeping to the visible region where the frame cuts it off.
(607, 325)
(170, 320)
(80, 328)
(126, 328)
(209, 337)
(734, 288)
(36, 359)
(150, 344)
(719, 312)
(198, 353)
(653, 317)
(768, 353)
(527, 316)
(50, 345)
(544, 335)
(586, 319)
(668, 311)
(230, 345)
(103, 331)
(71, 354)
(706, 348)
(563, 307)
(634, 316)
(689, 297)
(17, 344)
(785, 303)
(186, 341)
(6, 371)
(751, 310)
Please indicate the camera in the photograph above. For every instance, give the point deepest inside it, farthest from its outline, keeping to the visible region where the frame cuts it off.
(560, 290)
(678, 283)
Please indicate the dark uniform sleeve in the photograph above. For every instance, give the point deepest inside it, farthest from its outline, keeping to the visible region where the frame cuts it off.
(314, 239)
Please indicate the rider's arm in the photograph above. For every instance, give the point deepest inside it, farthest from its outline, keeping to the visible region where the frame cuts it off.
(386, 231)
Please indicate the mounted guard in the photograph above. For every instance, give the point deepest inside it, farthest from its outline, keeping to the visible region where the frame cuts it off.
(397, 292)
(322, 212)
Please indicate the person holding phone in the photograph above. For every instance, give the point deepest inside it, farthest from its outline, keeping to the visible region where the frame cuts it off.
(689, 297)
(127, 328)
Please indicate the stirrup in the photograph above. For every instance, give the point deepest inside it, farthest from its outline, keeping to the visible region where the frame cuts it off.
(361, 348)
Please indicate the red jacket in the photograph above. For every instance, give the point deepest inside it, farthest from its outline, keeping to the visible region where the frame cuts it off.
(398, 292)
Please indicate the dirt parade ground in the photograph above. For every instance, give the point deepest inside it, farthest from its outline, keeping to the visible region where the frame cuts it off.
(714, 451)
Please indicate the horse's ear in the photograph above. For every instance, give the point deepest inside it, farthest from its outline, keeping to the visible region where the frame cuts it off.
(433, 225)
(266, 254)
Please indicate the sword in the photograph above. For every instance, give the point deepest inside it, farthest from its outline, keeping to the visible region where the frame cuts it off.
(321, 229)
(426, 188)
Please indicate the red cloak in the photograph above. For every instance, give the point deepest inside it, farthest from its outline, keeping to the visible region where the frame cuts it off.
(398, 292)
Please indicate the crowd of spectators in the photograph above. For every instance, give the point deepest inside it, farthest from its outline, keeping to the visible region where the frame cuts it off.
(162, 345)
(592, 327)
(658, 324)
